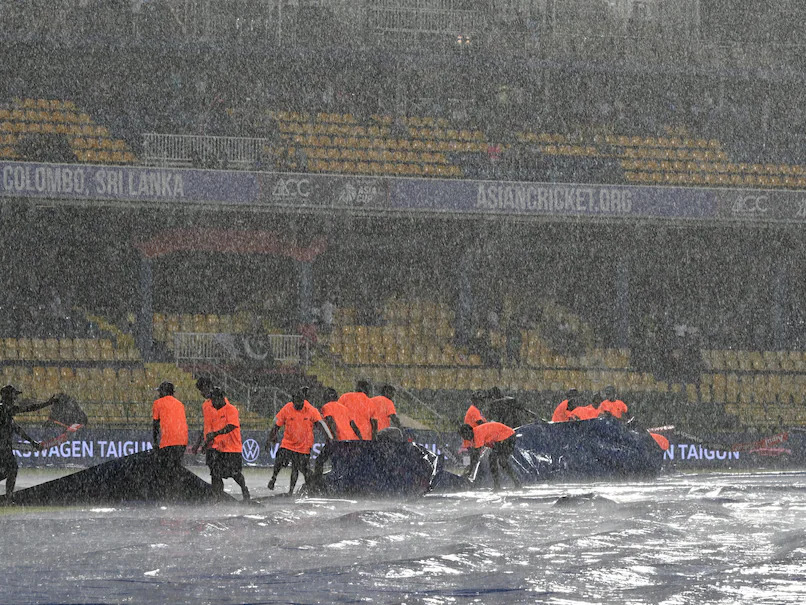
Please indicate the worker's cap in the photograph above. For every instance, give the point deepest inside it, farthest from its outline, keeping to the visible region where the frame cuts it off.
(573, 392)
(9, 390)
(166, 387)
(217, 393)
(300, 393)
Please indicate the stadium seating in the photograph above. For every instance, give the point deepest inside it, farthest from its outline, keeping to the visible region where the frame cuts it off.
(414, 349)
(31, 119)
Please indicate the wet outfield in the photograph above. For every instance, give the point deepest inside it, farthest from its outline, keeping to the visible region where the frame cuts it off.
(680, 539)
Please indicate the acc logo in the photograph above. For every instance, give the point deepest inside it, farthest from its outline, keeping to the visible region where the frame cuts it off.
(291, 188)
(250, 450)
(750, 204)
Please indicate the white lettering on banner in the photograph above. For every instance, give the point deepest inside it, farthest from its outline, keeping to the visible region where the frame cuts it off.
(87, 449)
(556, 199)
(801, 212)
(291, 188)
(686, 451)
(43, 179)
(750, 204)
(140, 183)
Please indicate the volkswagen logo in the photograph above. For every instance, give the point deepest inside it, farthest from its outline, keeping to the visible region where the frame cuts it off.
(250, 450)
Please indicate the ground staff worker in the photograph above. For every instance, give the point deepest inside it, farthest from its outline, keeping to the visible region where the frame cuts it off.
(473, 416)
(298, 417)
(205, 386)
(170, 428)
(362, 410)
(8, 428)
(501, 441)
(338, 418)
(384, 407)
(224, 441)
(612, 406)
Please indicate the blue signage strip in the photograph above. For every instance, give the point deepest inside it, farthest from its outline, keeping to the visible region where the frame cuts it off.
(95, 446)
(553, 199)
(341, 192)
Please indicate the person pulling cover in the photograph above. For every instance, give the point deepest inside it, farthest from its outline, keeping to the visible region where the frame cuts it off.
(501, 441)
(299, 418)
(8, 428)
(224, 441)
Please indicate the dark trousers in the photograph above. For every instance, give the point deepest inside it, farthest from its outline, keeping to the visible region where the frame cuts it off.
(168, 465)
(499, 457)
(299, 464)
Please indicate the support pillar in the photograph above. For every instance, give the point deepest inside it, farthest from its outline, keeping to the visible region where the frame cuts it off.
(305, 292)
(464, 307)
(144, 326)
(780, 294)
(622, 308)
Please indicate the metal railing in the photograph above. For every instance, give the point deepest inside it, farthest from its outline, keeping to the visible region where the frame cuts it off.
(203, 151)
(194, 347)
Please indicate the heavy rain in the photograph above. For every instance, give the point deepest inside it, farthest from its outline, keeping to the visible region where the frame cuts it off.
(397, 301)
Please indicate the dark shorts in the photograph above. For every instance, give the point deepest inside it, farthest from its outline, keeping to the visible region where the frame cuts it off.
(171, 455)
(297, 460)
(505, 448)
(226, 464)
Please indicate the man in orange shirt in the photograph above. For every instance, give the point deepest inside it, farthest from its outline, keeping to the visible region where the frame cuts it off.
(170, 427)
(338, 418)
(612, 406)
(573, 409)
(385, 408)
(361, 409)
(224, 441)
(562, 413)
(299, 418)
(501, 441)
(473, 416)
(205, 386)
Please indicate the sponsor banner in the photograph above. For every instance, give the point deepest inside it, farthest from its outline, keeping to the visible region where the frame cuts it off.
(761, 206)
(695, 455)
(126, 183)
(552, 199)
(312, 191)
(181, 186)
(95, 446)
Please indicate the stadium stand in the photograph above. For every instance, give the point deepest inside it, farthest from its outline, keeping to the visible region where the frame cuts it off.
(57, 130)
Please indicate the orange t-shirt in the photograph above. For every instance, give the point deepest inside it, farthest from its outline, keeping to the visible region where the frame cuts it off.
(490, 433)
(473, 417)
(361, 410)
(585, 412)
(173, 423)
(298, 434)
(616, 408)
(341, 416)
(384, 407)
(208, 412)
(229, 442)
(561, 414)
